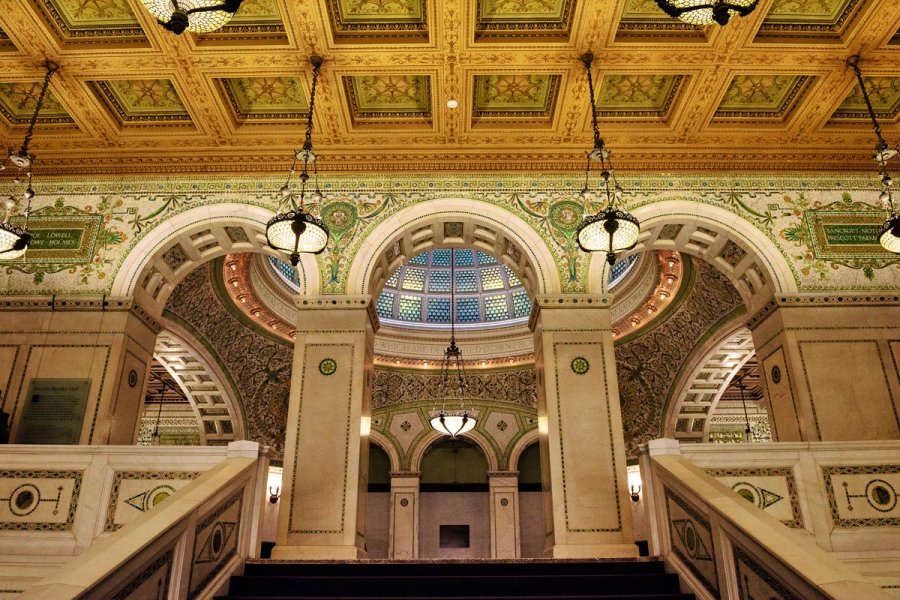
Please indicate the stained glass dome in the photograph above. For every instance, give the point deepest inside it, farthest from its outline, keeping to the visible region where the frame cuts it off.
(488, 294)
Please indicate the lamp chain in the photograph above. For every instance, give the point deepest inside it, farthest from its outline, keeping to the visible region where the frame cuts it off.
(853, 61)
(52, 68)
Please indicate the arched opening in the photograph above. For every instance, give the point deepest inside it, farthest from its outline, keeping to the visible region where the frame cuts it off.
(378, 503)
(454, 511)
(531, 507)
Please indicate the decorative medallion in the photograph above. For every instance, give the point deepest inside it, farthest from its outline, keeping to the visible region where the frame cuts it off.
(328, 366)
(776, 374)
(580, 365)
(132, 378)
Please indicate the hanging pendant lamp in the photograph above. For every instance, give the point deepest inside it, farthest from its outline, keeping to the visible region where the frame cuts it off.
(611, 230)
(706, 12)
(295, 231)
(198, 16)
(14, 240)
(889, 234)
(453, 421)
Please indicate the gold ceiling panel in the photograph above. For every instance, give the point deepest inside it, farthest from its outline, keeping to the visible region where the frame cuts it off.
(143, 101)
(533, 19)
(884, 92)
(671, 97)
(629, 96)
(17, 102)
(266, 99)
(389, 99)
(761, 97)
(805, 20)
(515, 99)
(376, 21)
(91, 21)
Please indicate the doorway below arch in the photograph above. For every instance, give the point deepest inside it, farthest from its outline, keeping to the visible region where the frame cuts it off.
(378, 503)
(454, 503)
(531, 503)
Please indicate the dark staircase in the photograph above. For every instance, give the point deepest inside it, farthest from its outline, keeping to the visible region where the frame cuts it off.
(641, 579)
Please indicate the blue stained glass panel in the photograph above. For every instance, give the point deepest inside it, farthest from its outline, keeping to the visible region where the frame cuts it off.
(439, 310)
(393, 279)
(511, 278)
(420, 259)
(521, 304)
(465, 258)
(439, 281)
(440, 258)
(410, 308)
(465, 281)
(486, 259)
(467, 310)
(385, 305)
(495, 308)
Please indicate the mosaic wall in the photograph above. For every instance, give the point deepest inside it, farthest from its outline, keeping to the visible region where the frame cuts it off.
(825, 228)
(648, 366)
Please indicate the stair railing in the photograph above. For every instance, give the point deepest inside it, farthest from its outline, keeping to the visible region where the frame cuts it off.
(725, 548)
(187, 547)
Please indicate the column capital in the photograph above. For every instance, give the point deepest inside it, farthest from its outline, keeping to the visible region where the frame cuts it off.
(498, 474)
(555, 304)
(823, 300)
(405, 474)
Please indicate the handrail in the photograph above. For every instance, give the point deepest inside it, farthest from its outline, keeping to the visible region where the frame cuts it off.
(171, 530)
(743, 542)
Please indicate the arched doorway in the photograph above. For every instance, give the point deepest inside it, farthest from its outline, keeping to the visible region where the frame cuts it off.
(378, 503)
(454, 513)
(531, 505)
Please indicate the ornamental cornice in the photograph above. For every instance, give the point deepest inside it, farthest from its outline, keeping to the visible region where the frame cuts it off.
(79, 304)
(335, 302)
(832, 300)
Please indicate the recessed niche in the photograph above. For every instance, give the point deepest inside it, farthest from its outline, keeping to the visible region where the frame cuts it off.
(454, 536)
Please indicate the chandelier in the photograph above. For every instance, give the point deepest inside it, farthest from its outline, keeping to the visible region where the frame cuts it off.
(452, 386)
(14, 240)
(199, 16)
(706, 12)
(295, 231)
(611, 230)
(889, 234)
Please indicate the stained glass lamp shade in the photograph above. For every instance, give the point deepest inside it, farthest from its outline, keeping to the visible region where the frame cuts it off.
(198, 16)
(706, 12)
(611, 231)
(13, 241)
(296, 232)
(889, 237)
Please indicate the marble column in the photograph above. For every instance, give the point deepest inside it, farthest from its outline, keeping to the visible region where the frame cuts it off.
(60, 350)
(829, 366)
(327, 442)
(504, 490)
(586, 510)
(404, 533)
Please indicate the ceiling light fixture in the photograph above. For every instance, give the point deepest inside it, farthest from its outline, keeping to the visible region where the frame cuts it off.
(14, 240)
(452, 385)
(611, 230)
(198, 16)
(296, 231)
(889, 234)
(706, 12)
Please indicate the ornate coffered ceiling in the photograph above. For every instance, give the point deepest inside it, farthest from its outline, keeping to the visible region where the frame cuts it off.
(132, 98)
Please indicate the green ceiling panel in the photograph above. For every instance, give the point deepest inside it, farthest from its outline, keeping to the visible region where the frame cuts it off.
(144, 99)
(808, 11)
(516, 11)
(761, 96)
(637, 95)
(94, 14)
(884, 92)
(17, 102)
(388, 95)
(379, 11)
(266, 97)
(507, 95)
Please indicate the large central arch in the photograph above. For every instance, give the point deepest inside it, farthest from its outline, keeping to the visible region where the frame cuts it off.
(454, 222)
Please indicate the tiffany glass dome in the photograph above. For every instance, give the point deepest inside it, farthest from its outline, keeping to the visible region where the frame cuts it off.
(417, 295)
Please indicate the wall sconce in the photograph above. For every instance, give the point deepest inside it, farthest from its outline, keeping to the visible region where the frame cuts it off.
(274, 494)
(635, 493)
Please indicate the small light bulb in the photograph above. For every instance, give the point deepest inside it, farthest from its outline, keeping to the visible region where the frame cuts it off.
(604, 175)
(619, 191)
(451, 103)
(586, 194)
(285, 191)
(887, 181)
(29, 193)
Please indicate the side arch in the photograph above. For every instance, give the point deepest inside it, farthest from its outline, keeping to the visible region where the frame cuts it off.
(476, 437)
(385, 444)
(752, 262)
(175, 247)
(528, 438)
(218, 412)
(454, 222)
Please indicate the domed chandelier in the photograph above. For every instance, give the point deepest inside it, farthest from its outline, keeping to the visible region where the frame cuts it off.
(706, 12)
(14, 240)
(611, 230)
(199, 16)
(889, 235)
(296, 231)
(452, 386)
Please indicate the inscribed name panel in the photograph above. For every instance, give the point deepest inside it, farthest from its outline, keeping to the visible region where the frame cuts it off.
(863, 496)
(68, 238)
(835, 235)
(589, 475)
(825, 365)
(54, 411)
(38, 500)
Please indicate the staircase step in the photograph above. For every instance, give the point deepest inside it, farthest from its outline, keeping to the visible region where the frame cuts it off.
(673, 596)
(391, 569)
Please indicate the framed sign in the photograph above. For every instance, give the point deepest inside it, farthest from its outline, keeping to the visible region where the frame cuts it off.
(54, 411)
